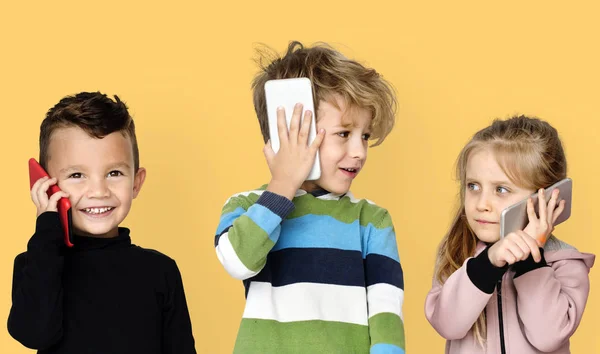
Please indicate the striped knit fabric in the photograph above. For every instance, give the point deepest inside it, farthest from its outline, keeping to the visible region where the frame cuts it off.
(322, 274)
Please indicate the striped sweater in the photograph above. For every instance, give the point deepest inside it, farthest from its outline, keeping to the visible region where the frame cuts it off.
(322, 273)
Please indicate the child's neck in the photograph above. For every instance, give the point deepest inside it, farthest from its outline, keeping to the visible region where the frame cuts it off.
(111, 234)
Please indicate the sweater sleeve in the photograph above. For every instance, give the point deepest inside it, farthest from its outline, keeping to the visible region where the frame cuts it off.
(551, 301)
(177, 326)
(36, 315)
(385, 288)
(248, 231)
(453, 308)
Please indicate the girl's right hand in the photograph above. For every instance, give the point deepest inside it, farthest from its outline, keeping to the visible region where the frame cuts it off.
(515, 247)
(40, 198)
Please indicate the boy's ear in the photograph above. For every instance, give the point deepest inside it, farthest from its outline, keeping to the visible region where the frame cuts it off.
(138, 181)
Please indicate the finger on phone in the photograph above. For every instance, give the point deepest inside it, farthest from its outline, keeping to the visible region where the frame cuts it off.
(305, 129)
(282, 126)
(314, 146)
(542, 205)
(531, 210)
(552, 205)
(53, 200)
(43, 189)
(558, 211)
(295, 122)
(34, 190)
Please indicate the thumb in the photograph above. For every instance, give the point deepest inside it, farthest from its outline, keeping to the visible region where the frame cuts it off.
(268, 151)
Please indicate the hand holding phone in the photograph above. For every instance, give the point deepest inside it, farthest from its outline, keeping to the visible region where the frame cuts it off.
(541, 224)
(292, 153)
(549, 207)
(292, 163)
(46, 196)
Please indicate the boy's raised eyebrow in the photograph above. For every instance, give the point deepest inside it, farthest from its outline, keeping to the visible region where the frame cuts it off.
(120, 164)
(71, 168)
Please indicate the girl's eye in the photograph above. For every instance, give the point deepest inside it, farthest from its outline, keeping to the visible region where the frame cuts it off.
(366, 136)
(343, 134)
(115, 173)
(472, 187)
(502, 190)
(75, 175)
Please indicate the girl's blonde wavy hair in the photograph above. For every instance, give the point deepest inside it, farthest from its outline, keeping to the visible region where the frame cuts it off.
(530, 153)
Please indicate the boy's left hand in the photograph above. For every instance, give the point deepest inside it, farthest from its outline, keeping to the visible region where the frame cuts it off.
(540, 228)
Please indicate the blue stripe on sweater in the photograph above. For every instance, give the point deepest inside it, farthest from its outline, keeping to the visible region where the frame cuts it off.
(228, 219)
(324, 231)
(265, 219)
(383, 348)
(259, 214)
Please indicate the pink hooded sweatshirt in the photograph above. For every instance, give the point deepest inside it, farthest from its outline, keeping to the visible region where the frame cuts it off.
(530, 307)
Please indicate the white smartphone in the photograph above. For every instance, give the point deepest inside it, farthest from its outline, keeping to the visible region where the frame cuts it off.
(515, 216)
(287, 93)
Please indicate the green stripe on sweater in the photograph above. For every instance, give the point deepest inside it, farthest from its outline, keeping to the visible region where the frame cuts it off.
(252, 245)
(315, 337)
(343, 210)
(387, 328)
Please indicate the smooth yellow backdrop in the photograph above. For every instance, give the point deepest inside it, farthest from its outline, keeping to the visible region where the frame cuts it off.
(185, 70)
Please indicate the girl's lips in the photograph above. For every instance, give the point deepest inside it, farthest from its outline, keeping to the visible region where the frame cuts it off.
(485, 222)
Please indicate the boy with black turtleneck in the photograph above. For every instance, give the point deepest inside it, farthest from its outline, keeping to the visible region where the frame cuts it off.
(103, 295)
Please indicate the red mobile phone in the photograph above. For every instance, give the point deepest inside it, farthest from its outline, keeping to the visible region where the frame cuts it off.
(64, 205)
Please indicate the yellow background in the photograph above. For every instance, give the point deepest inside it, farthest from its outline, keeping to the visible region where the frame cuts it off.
(185, 71)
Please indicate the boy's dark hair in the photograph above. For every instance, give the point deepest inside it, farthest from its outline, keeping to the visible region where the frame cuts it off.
(95, 113)
(331, 73)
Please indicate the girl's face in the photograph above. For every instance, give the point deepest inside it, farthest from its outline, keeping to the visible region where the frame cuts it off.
(488, 192)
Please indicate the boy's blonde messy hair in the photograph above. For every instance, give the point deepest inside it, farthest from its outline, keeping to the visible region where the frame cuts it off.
(331, 74)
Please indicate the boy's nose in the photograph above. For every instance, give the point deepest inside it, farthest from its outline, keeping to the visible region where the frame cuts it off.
(98, 189)
(357, 150)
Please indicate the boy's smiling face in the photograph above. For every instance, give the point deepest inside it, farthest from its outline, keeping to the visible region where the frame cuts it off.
(343, 152)
(99, 176)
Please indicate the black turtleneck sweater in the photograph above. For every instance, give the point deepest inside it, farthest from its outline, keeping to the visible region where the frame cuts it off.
(103, 296)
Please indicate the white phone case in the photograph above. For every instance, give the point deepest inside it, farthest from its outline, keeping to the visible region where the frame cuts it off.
(286, 93)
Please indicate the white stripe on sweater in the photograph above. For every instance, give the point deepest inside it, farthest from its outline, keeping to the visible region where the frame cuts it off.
(230, 260)
(384, 297)
(307, 301)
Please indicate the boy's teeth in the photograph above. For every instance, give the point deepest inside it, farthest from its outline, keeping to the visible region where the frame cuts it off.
(97, 210)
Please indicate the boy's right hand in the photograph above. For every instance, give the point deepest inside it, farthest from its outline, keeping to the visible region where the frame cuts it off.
(292, 163)
(40, 198)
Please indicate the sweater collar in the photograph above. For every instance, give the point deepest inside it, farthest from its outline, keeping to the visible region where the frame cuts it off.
(84, 243)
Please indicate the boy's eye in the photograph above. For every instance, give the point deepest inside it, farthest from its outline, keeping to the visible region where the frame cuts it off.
(343, 134)
(75, 175)
(115, 173)
(367, 136)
